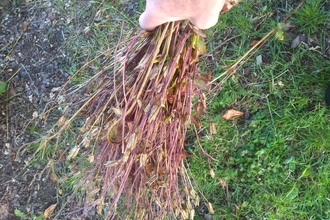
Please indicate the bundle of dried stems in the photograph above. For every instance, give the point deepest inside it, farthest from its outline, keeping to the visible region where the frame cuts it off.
(140, 113)
(137, 112)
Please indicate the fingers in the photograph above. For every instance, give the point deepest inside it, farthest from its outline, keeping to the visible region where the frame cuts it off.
(149, 21)
(205, 22)
(202, 14)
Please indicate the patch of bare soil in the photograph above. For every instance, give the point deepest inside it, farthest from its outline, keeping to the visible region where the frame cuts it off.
(31, 56)
(33, 63)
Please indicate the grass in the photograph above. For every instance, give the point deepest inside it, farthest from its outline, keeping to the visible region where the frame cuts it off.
(275, 162)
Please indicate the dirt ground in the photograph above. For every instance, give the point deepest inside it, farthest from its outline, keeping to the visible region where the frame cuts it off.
(34, 63)
(31, 56)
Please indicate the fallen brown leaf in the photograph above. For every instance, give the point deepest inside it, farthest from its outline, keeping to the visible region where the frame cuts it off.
(222, 182)
(49, 211)
(53, 177)
(229, 4)
(231, 114)
(99, 207)
(210, 207)
(4, 211)
(26, 26)
(254, 42)
(213, 129)
(212, 173)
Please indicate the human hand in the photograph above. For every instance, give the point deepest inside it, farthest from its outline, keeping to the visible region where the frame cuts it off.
(202, 13)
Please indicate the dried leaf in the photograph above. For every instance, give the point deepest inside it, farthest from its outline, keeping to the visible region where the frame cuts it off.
(131, 142)
(143, 159)
(254, 42)
(199, 109)
(99, 207)
(212, 173)
(184, 214)
(206, 77)
(201, 84)
(73, 153)
(92, 193)
(112, 133)
(111, 163)
(192, 214)
(62, 120)
(91, 158)
(126, 155)
(229, 4)
(53, 177)
(117, 111)
(87, 29)
(222, 182)
(231, 114)
(195, 120)
(26, 26)
(153, 113)
(49, 211)
(288, 26)
(210, 207)
(86, 141)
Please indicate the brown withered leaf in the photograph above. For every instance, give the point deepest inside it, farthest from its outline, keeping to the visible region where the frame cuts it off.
(195, 120)
(207, 77)
(99, 207)
(200, 83)
(212, 173)
(4, 209)
(62, 120)
(229, 4)
(26, 26)
(210, 208)
(73, 153)
(254, 42)
(231, 114)
(61, 155)
(222, 182)
(49, 211)
(213, 129)
(199, 109)
(53, 177)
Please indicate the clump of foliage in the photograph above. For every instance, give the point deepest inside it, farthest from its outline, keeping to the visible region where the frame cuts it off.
(312, 17)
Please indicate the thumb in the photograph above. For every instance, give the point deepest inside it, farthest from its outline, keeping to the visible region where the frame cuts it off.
(148, 22)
